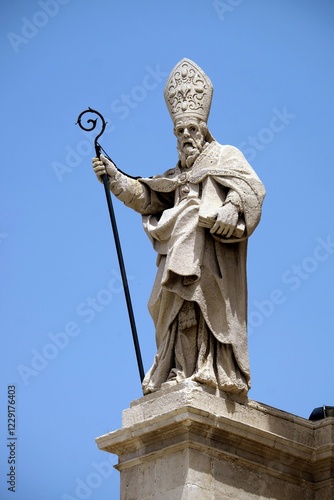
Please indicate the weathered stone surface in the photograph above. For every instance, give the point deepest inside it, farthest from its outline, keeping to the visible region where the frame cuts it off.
(198, 216)
(185, 442)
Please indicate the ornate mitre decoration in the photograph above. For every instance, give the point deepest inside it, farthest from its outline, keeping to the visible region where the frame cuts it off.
(188, 91)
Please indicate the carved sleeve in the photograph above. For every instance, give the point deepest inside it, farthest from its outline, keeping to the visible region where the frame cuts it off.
(138, 196)
(234, 198)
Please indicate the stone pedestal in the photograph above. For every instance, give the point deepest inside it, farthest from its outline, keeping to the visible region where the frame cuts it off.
(185, 442)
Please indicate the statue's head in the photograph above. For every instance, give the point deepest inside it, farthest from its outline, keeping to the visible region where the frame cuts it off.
(191, 134)
(188, 93)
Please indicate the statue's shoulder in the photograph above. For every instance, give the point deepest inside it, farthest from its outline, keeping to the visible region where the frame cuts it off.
(215, 156)
(229, 150)
(229, 154)
(171, 172)
(168, 174)
(165, 182)
(216, 150)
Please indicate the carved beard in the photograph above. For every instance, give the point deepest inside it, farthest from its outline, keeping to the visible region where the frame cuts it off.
(188, 155)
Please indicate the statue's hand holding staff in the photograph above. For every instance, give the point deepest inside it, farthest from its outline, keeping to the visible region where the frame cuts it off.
(103, 166)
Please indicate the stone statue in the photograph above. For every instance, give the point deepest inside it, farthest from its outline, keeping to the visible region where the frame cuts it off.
(198, 217)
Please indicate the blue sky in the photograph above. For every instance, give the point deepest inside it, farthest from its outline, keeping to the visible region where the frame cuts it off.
(66, 338)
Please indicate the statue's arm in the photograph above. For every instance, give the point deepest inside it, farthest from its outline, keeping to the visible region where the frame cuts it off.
(245, 193)
(132, 192)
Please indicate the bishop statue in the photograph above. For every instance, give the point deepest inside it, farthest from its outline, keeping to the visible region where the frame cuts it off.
(198, 216)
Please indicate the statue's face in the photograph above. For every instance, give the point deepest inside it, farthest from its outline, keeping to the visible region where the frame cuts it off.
(190, 139)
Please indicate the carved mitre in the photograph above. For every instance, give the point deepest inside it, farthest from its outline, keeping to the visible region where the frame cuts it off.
(188, 91)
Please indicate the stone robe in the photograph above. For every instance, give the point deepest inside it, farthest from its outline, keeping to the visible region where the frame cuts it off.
(199, 298)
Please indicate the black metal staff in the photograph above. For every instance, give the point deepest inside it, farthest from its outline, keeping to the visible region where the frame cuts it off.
(105, 180)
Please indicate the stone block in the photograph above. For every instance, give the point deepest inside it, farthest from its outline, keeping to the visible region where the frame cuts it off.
(186, 442)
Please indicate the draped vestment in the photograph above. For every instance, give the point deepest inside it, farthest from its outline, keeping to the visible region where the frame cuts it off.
(199, 298)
